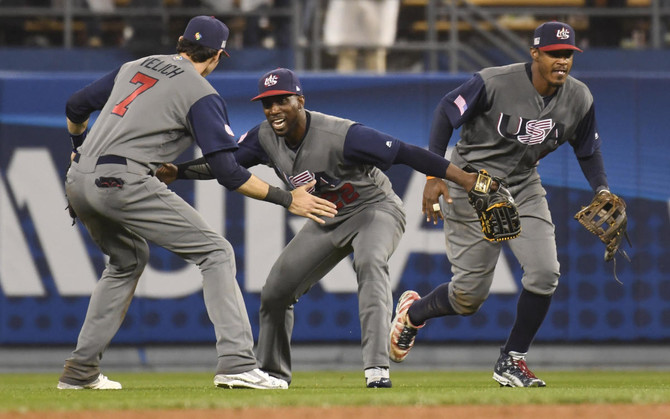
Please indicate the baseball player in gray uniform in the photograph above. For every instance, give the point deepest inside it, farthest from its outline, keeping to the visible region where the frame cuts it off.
(151, 110)
(347, 160)
(511, 117)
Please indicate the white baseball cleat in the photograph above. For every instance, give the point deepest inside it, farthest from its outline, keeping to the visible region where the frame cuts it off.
(251, 379)
(377, 377)
(100, 383)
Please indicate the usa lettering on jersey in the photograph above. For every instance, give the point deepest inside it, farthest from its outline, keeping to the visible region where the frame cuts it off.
(528, 131)
(301, 179)
(323, 180)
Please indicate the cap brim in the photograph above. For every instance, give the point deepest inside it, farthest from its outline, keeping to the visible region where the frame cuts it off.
(556, 47)
(269, 93)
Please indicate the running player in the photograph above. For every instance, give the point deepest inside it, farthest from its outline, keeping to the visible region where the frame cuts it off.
(511, 117)
(152, 109)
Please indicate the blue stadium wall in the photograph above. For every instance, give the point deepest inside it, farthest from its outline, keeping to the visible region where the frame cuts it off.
(48, 268)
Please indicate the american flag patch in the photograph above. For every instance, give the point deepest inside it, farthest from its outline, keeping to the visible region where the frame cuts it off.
(461, 104)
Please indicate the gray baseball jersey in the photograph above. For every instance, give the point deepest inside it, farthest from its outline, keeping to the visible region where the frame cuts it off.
(517, 129)
(506, 128)
(320, 156)
(369, 223)
(152, 108)
(168, 91)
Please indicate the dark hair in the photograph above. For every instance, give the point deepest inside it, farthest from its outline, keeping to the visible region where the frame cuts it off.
(195, 51)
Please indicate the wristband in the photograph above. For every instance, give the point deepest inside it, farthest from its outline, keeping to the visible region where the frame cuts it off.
(181, 171)
(279, 196)
(429, 177)
(77, 140)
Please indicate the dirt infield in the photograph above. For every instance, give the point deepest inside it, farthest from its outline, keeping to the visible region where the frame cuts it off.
(590, 411)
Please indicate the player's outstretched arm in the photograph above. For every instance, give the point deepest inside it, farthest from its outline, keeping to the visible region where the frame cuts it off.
(298, 202)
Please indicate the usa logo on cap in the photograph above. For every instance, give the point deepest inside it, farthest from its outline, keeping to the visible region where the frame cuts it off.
(553, 36)
(280, 81)
(563, 33)
(270, 80)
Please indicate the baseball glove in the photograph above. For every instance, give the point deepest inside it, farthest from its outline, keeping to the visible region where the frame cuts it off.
(496, 210)
(606, 217)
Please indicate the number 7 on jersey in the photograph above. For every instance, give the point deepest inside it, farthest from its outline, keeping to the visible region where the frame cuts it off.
(144, 83)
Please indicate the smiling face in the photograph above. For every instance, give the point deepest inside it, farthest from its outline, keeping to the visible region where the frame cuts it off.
(286, 115)
(550, 69)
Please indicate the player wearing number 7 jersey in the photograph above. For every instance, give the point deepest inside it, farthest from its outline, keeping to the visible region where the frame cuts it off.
(151, 110)
(347, 161)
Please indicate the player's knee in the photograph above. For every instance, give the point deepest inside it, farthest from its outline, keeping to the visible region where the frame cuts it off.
(223, 254)
(274, 301)
(130, 267)
(142, 252)
(467, 302)
(542, 280)
(370, 265)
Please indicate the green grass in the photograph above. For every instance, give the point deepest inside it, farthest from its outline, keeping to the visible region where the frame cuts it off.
(37, 392)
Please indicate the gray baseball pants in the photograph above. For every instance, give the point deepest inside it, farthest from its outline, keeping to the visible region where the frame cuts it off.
(473, 258)
(121, 220)
(372, 235)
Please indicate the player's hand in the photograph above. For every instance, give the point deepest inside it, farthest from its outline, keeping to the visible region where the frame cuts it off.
(431, 195)
(167, 173)
(307, 205)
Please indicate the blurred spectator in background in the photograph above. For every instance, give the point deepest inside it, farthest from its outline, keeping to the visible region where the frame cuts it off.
(145, 33)
(366, 25)
(94, 24)
(265, 30)
(605, 31)
(259, 28)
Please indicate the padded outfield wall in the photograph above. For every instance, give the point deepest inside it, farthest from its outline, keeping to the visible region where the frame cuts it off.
(48, 268)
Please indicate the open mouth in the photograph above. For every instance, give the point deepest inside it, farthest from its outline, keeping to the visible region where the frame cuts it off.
(278, 124)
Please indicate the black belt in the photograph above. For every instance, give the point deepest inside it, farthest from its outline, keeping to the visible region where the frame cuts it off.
(106, 159)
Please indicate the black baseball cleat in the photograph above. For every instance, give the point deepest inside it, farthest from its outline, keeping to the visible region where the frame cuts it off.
(381, 383)
(377, 377)
(511, 371)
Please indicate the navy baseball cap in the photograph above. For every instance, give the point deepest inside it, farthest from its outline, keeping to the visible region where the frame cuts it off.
(207, 31)
(552, 36)
(280, 81)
